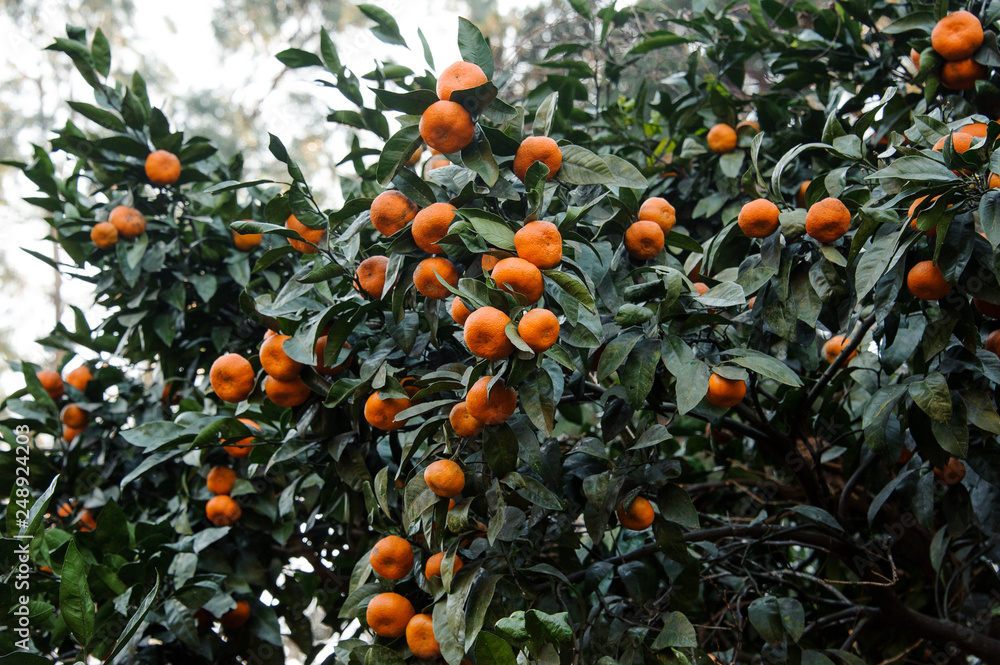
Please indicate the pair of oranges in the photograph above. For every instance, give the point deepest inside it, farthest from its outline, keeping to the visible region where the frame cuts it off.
(956, 38)
(222, 509)
(125, 222)
(645, 238)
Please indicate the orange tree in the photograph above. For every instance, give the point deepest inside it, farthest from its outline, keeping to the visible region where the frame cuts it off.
(615, 379)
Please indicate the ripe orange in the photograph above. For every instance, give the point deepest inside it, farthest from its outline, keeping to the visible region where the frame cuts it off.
(415, 157)
(915, 57)
(485, 334)
(962, 74)
(221, 510)
(493, 408)
(926, 281)
(490, 261)
(381, 413)
(431, 224)
(752, 124)
(433, 566)
(247, 241)
(540, 243)
(392, 210)
(447, 126)
(242, 447)
(388, 614)
(163, 168)
(750, 303)
(459, 76)
(975, 129)
(539, 328)
(66, 509)
(721, 139)
(834, 346)
(960, 142)
(129, 222)
(88, 523)
(952, 473)
(52, 383)
(639, 516)
(459, 311)
(644, 240)
(70, 433)
(309, 235)
(957, 36)
(435, 163)
(73, 416)
(800, 195)
(80, 377)
(992, 343)
(520, 278)
(987, 308)
(425, 277)
(828, 220)
(725, 392)
(236, 617)
(420, 637)
(445, 478)
(537, 149)
(320, 351)
(104, 235)
(392, 558)
(369, 279)
(232, 377)
(758, 218)
(288, 394)
(462, 421)
(276, 362)
(701, 288)
(659, 210)
(220, 480)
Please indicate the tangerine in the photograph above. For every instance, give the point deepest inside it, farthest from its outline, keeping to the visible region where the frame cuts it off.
(232, 377)
(725, 392)
(391, 211)
(485, 334)
(493, 407)
(445, 478)
(540, 243)
(163, 168)
(431, 224)
(537, 149)
(425, 277)
(520, 278)
(539, 328)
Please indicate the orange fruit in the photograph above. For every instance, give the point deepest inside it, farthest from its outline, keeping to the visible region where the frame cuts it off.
(750, 303)
(309, 235)
(800, 195)
(644, 240)
(992, 343)
(381, 413)
(445, 478)
(232, 377)
(163, 168)
(957, 36)
(962, 74)
(701, 288)
(436, 163)
(912, 214)
(459, 76)
(66, 509)
(320, 351)
(994, 182)
(104, 235)
(463, 422)
(80, 377)
(834, 346)
(459, 311)
(388, 614)
(87, 521)
(975, 129)
(73, 416)
(721, 139)
(752, 124)
(221, 510)
(987, 308)
(537, 149)
(520, 278)
(915, 58)
(828, 220)
(490, 261)
(129, 222)
(425, 277)
(242, 447)
(420, 637)
(493, 408)
(369, 279)
(952, 473)
(639, 516)
(960, 142)
(433, 566)
(431, 224)
(392, 210)
(220, 480)
(758, 218)
(288, 394)
(539, 328)
(247, 241)
(926, 281)
(540, 243)
(270, 333)
(237, 616)
(447, 126)
(276, 362)
(659, 210)
(415, 157)
(392, 558)
(70, 433)
(725, 392)
(52, 383)
(485, 334)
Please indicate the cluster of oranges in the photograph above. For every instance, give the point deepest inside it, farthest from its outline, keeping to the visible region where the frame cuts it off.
(74, 419)
(956, 38)
(222, 509)
(644, 238)
(86, 518)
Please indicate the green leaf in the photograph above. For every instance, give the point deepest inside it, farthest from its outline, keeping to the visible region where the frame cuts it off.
(532, 490)
(478, 156)
(817, 514)
(537, 399)
(885, 493)
(582, 8)
(493, 230)
(75, 603)
(989, 215)
(932, 396)
(677, 632)
(395, 152)
(915, 167)
(615, 353)
(100, 52)
(413, 102)
(639, 372)
(675, 505)
(296, 58)
(582, 167)
(765, 616)
(386, 30)
(493, 650)
(102, 117)
(658, 42)
(765, 365)
(500, 449)
(982, 413)
(543, 116)
(572, 286)
(135, 620)
(474, 47)
(329, 52)
(878, 410)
